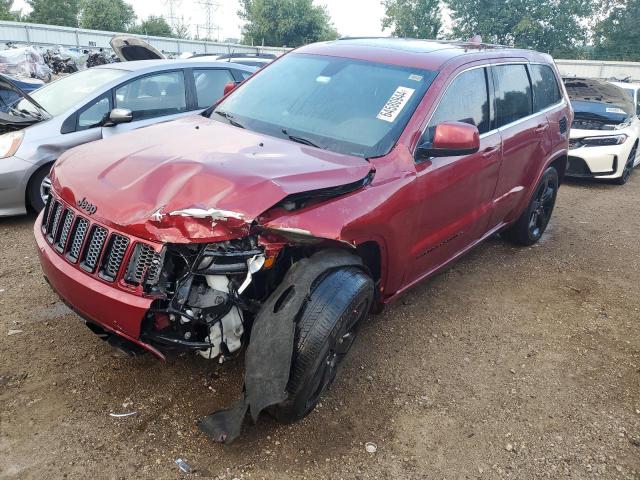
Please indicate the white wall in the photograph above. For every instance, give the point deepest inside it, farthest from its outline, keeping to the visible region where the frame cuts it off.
(36, 34)
(599, 69)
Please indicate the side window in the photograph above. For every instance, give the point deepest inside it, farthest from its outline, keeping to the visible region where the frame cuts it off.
(94, 114)
(466, 100)
(513, 93)
(545, 87)
(244, 74)
(153, 95)
(210, 85)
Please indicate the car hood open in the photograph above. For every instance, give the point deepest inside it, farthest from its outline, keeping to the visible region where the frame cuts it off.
(194, 179)
(129, 48)
(11, 119)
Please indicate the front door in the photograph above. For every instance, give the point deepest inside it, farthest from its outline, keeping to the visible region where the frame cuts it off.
(152, 98)
(454, 194)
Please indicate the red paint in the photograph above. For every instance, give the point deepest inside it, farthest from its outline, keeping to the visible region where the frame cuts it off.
(456, 136)
(228, 88)
(421, 215)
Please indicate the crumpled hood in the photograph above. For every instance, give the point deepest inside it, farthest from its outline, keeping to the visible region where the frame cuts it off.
(194, 179)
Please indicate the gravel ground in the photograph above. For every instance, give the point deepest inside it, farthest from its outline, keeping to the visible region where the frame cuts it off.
(515, 363)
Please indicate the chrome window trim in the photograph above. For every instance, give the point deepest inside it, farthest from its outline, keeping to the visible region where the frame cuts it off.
(562, 101)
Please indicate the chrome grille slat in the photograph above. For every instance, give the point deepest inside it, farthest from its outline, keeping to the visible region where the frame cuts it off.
(46, 214)
(54, 218)
(116, 250)
(144, 261)
(92, 251)
(63, 233)
(77, 239)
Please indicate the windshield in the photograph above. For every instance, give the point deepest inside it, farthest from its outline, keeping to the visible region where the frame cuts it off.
(61, 95)
(343, 105)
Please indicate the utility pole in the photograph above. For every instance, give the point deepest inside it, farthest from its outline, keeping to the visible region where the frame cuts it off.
(210, 7)
(173, 7)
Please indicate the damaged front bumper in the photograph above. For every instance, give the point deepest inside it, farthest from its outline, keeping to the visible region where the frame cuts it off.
(159, 297)
(113, 310)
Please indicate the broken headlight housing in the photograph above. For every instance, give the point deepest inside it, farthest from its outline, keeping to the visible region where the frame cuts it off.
(227, 258)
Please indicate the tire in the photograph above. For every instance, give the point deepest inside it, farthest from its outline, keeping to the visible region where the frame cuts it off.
(628, 167)
(528, 229)
(326, 329)
(35, 192)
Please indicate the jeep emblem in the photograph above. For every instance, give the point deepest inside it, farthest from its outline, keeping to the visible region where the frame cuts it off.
(90, 208)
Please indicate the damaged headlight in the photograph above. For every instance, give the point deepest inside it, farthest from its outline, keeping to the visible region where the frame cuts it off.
(227, 258)
(10, 142)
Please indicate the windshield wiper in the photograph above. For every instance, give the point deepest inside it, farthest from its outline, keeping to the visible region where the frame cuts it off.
(229, 118)
(302, 140)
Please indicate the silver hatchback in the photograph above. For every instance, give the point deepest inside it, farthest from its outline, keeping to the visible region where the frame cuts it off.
(94, 104)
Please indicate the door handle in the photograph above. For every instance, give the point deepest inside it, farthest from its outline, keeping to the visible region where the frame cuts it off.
(489, 151)
(542, 128)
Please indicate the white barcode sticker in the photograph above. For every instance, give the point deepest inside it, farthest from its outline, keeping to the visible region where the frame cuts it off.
(614, 110)
(395, 104)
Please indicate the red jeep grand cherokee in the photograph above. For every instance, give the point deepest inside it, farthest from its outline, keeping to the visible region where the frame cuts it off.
(327, 184)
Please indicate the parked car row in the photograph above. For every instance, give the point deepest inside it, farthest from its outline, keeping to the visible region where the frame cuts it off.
(275, 218)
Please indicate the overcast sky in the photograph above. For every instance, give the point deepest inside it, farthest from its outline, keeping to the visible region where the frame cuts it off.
(350, 17)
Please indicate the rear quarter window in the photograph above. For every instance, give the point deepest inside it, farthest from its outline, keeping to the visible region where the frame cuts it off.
(514, 99)
(545, 87)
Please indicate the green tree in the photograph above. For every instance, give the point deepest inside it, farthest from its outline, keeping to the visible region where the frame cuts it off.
(111, 15)
(413, 18)
(5, 10)
(181, 29)
(54, 12)
(153, 25)
(617, 36)
(285, 22)
(553, 26)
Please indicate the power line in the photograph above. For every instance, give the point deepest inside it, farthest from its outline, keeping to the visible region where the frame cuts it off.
(210, 7)
(174, 8)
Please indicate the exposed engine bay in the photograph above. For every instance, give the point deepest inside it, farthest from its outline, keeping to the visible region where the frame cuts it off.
(199, 302)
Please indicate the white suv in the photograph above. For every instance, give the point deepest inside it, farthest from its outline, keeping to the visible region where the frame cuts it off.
(605, 130)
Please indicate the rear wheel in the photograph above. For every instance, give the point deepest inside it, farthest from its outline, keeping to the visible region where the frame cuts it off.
(327, 327)
(628, 167)
(38, 188)
(534, 220)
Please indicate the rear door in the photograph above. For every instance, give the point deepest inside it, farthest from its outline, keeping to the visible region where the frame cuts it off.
(454, 194)
(525, 142)
(548, 100)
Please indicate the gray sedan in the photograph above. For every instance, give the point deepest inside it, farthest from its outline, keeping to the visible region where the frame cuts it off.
(94, 104)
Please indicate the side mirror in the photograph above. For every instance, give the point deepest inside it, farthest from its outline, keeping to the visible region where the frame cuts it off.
(118, 116)
(451, 139)
(229, 87)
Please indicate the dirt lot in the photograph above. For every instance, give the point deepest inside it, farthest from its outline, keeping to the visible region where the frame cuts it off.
(515, 363)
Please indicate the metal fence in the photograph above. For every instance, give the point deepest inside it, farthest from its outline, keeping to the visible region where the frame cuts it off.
(37, 34)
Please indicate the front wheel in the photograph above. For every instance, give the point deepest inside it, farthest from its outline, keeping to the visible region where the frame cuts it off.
(326, 329)
(534, 220)
(628, 168)
(38, 188)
